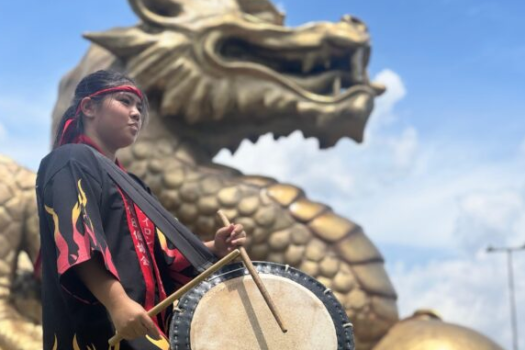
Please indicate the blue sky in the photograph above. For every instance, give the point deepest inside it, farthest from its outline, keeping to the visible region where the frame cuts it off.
(461, 60)
(439, 176)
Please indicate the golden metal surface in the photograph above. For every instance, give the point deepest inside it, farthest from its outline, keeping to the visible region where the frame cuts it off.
(207, 66)
(426, 332)
(20, 314)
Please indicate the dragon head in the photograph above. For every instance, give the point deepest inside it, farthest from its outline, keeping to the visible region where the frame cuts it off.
(220, 71)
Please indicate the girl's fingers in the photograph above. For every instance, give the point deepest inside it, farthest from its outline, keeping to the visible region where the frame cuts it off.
(239, 234)
(238, 240)
(133, 331)
(225, 231)
(127, 333)
(238, 231)
(152, 331)
(237, 243)
(141, 328)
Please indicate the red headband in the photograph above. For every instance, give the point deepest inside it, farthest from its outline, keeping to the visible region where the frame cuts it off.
(127, 88)
(71, 123)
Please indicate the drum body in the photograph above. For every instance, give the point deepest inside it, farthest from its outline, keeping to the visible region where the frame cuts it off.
(227, 311)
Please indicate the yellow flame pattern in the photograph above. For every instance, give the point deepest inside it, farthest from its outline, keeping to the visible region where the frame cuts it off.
(54, 215)
(161, 344)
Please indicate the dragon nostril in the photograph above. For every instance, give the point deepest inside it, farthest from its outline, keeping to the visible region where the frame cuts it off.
(355, 22)
(351, 19)
(163, 8)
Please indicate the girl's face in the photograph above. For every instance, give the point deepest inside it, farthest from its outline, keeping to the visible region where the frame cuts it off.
(116, 122)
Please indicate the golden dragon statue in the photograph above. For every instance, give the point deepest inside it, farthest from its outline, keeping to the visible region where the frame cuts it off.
(217, 72)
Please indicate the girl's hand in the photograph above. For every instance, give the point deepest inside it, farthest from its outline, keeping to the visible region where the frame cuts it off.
(227, 238)
(131, 320)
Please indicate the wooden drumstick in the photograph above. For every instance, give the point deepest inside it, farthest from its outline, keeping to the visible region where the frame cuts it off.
(258, 281)
(175, 296)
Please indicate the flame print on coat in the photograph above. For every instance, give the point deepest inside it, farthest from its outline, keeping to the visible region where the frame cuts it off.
(177, 263)
(62, 249)
(84, 239)
(172, 253)
(161, 344)
(76, 346)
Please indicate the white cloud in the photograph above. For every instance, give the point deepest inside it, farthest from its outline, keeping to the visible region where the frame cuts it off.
(496, 218)
(471, 292)
(384, 109)
(423, 194)
(405, 147)
(347, 174)
(402, 189)
(423, 209)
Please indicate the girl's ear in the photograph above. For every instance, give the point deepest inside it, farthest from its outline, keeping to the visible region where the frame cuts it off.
(88, 107)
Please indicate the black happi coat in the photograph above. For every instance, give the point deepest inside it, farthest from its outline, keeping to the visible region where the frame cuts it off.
(83, 214)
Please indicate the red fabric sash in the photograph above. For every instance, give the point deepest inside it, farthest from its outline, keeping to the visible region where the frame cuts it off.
(148, 232)
(142, 232)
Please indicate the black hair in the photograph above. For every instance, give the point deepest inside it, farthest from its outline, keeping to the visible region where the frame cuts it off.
(90, 84)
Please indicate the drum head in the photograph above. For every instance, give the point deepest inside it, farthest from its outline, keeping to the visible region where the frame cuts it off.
(228, 312)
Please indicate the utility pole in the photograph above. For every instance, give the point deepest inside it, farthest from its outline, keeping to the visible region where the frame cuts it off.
(510, 268)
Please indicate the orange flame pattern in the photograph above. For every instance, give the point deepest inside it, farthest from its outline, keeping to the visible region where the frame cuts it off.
(85, 241)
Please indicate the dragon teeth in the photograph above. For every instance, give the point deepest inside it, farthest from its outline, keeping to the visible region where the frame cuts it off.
(336, 87)
(356, 64)
(308, 63)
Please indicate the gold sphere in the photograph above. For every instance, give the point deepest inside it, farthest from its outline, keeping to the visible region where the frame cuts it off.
(426, 331)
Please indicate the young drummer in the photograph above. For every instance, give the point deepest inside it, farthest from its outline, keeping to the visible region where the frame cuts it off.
(104, 263)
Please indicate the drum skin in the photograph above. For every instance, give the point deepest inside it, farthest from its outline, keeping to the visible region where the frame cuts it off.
(228, 312)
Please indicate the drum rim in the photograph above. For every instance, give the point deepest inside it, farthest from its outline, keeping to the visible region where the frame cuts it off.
(180, 325)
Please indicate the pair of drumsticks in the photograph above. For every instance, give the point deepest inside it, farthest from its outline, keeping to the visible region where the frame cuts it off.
(200, 278)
